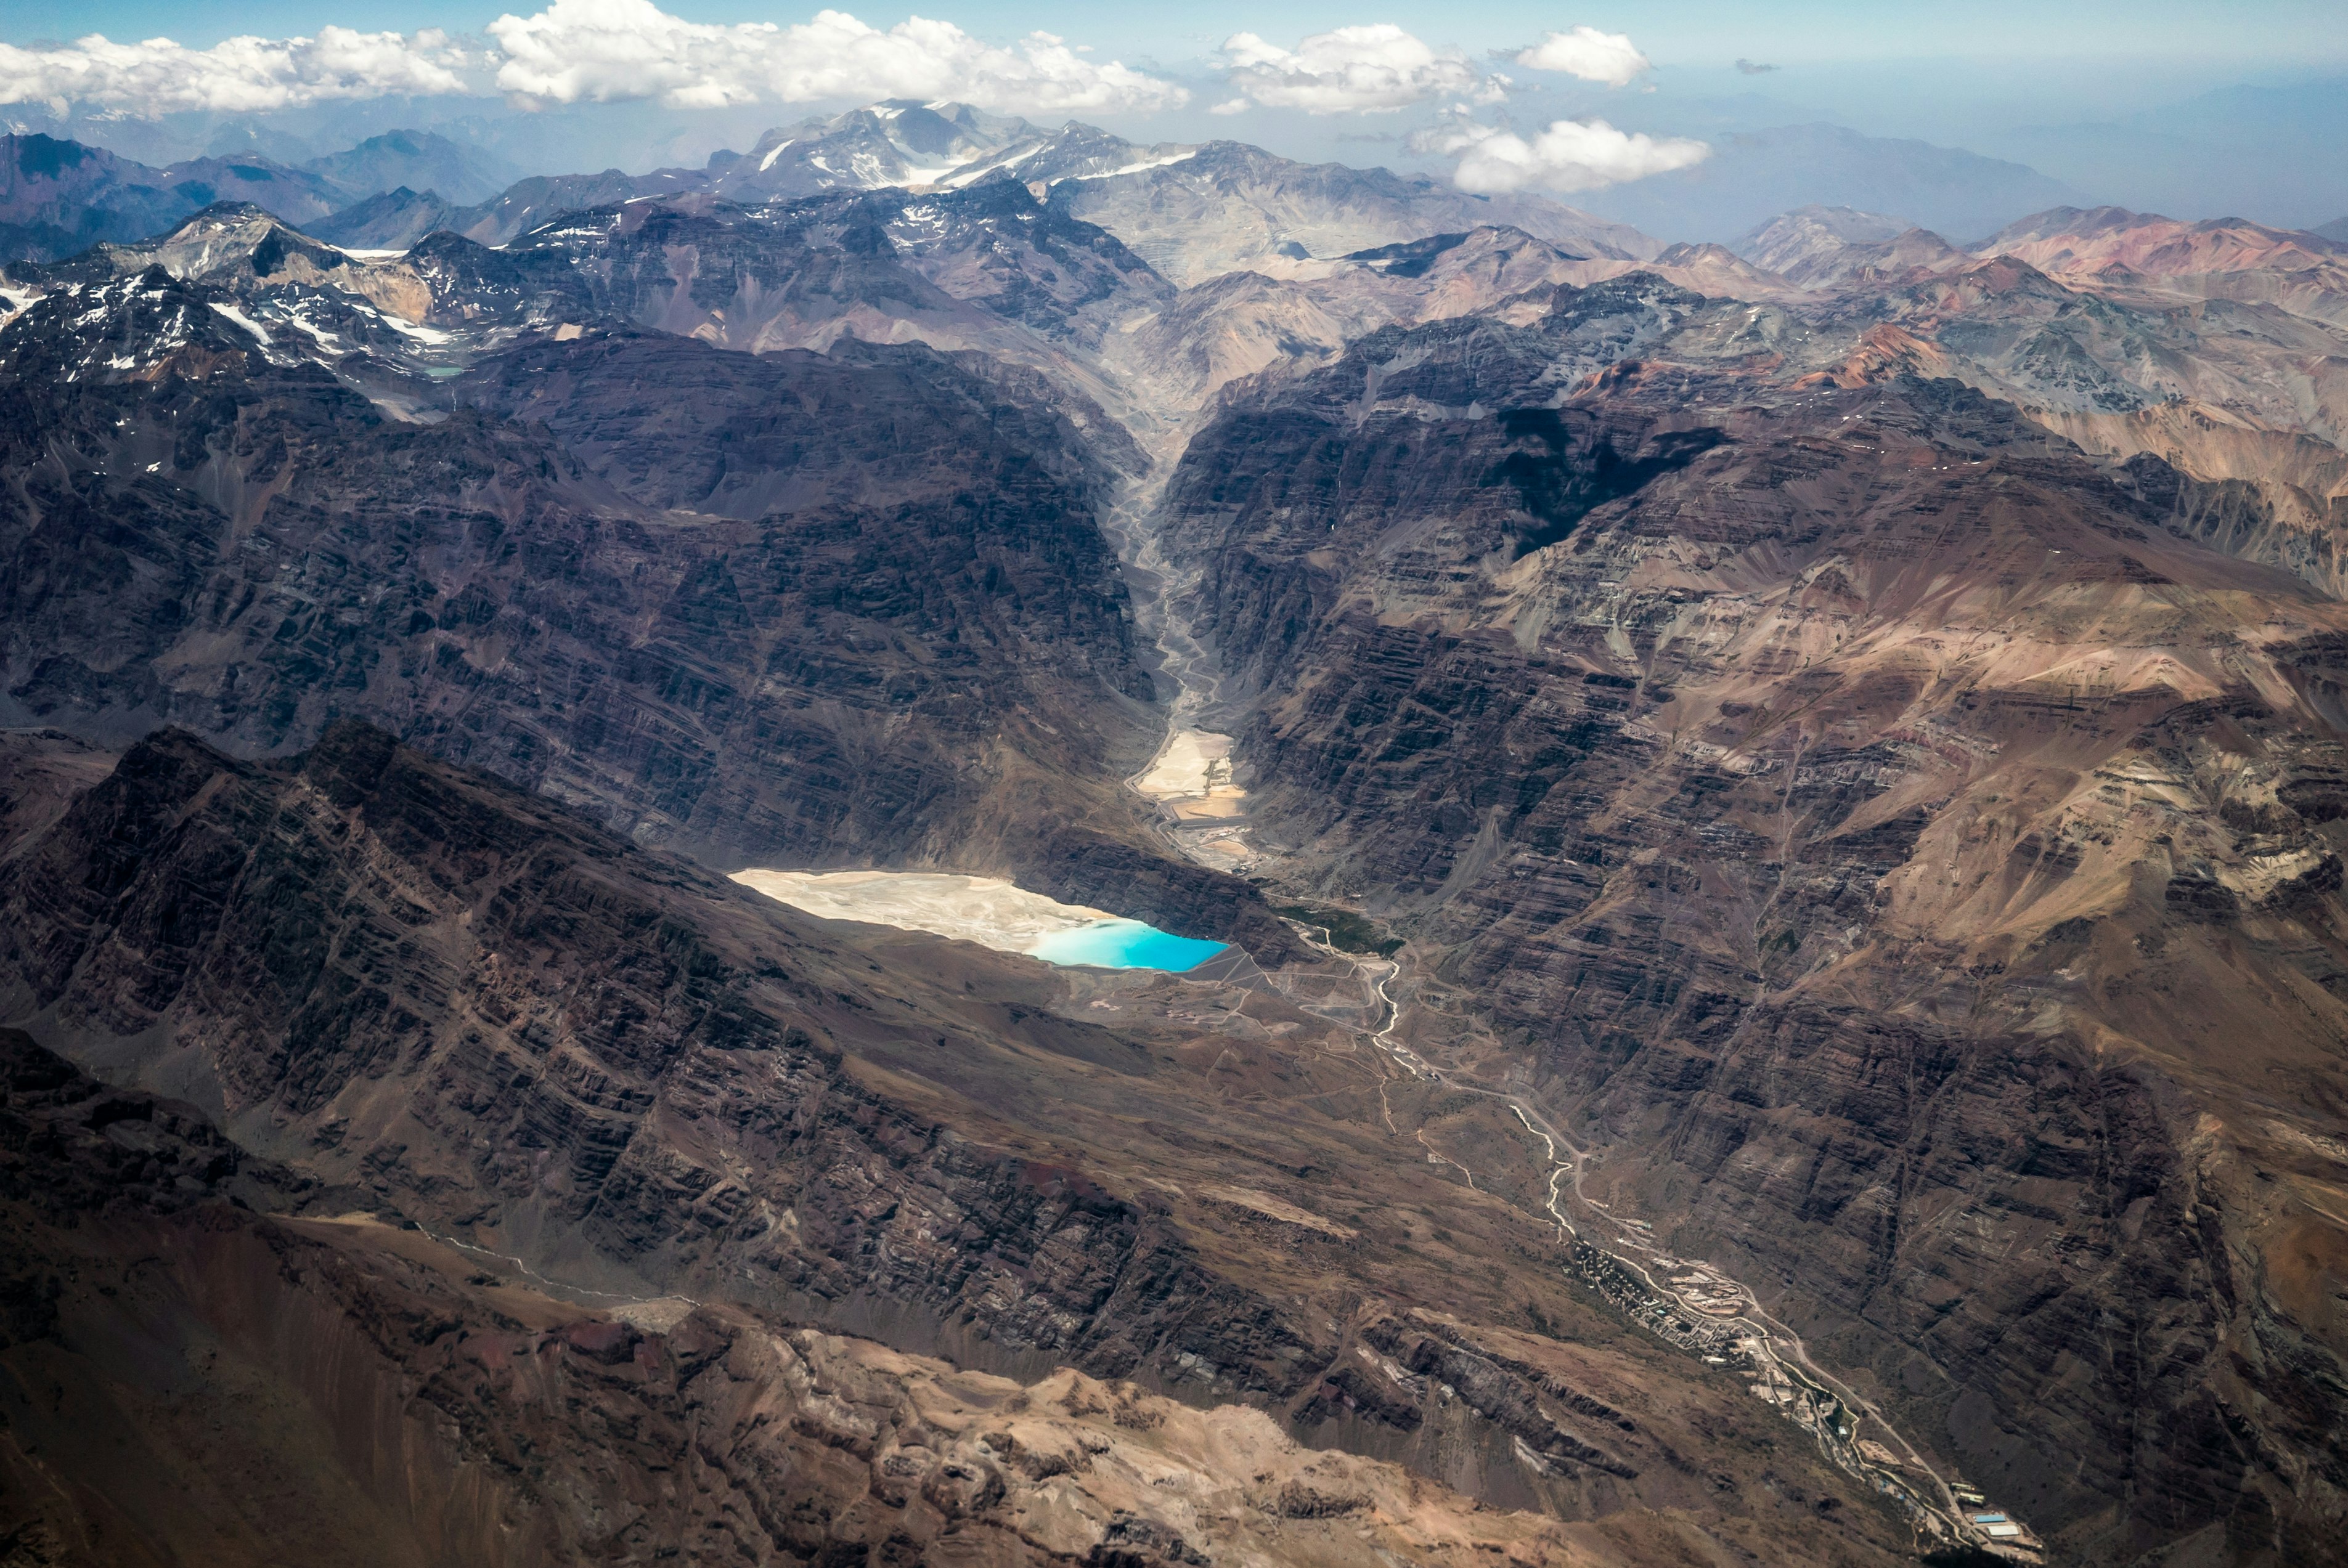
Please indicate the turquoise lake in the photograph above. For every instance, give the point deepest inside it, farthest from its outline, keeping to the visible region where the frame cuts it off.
(1124, 945)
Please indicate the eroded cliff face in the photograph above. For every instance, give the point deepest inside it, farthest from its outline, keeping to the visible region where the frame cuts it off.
(791, 609)
(1914, 867)
(462, 997)
(196, 1367)
(435, 999)
(1886, 836)
(1228, 207)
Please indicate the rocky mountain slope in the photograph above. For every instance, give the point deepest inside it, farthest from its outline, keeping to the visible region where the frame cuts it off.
(434, 999)
(1847, 736)
(987, 268)
(393, 219)
(385, 221)
(2105, 248)
(2215, 348)
(1232, 207)
(1817, 247)
(414, 158)
(1873, 827)
(874, 617)
(916, 146)
(59, 197)
(465, 1415)
(1791, 240)
(1193, 213)
(2222, 259)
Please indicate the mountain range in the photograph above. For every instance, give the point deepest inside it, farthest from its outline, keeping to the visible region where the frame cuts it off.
(1781, 861)
(1753, 175)
(2259, 149)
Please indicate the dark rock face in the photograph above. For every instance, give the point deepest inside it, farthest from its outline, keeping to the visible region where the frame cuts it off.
(543, 1006)
(435, 996)
(190, 1359)
(1226, 205)
(967, 264)
(71, 1145)
(1705, 736)
(791, 609)
(62, 196)
(59, 197)
(389, 220)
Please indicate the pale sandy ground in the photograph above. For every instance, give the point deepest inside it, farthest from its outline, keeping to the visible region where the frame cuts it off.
(1178, 779)
(1180, 770)
(982, 909)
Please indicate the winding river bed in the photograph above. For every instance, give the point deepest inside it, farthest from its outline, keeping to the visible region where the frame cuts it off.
(1696, 1307)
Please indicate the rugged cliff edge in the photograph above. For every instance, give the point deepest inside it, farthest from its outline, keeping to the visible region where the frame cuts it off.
(1914, 868)
(198, 1357)
(1850, 839)
(442, 1000)
(860, 611)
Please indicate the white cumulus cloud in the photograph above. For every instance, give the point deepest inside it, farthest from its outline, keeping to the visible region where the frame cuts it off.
(1349, 70)
(240, 76)
(1587, 53)
(603, 50)
(1571, 155)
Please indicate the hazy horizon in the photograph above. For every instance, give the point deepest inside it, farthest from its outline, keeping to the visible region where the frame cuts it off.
(2139, 107)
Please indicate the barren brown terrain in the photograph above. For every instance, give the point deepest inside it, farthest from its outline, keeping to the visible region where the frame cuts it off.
(1778, 816)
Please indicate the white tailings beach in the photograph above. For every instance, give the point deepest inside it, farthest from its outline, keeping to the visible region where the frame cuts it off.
(986, 910)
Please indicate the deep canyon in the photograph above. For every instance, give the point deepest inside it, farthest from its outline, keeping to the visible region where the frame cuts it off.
(1778, 813)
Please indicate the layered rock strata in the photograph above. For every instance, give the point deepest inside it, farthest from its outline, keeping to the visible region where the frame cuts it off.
(444, 1001)
(1863, 819)
(786, 610)
(195, 1361)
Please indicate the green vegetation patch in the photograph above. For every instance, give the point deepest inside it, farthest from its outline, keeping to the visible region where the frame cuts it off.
(1348, 932)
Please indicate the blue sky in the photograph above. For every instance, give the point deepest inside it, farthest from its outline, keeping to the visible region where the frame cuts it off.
(2108, 96)
(2273, 34)
(1948, 72)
